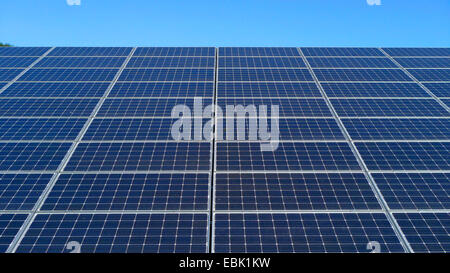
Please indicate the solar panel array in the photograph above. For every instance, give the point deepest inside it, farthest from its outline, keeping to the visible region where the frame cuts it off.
(88, 162)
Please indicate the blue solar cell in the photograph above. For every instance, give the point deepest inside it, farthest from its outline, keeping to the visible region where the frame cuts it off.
(90, 51)
(431, 74)
(415, 190)
(306, 232)
(426, 232)
(361, 74)
(40, 128)
(184, 62)
(261, 62)
(340, 51)
(299, 156)
(293, 191)
(352, 62)
(124, 233)
(380, 89)
(23, 51)
(10, 225)
(162, 89)
(444, 52)
(21, 191)
(55, 89)
(292, 107)
(439, 89)
(47, 107)
(175, 51)
(8, 74)
(447, 102)
(22, 156)
(69, 74)
(129, 192)
(424, 62)
(398, 129)
(81, 62)
(268, 89)
(16, 61)
(139, 156)
(167, 74)
(405, 155)
(258, 51)
(264, 74)
(389, 108)
(145, 107)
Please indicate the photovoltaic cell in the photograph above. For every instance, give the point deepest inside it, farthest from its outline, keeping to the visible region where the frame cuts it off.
(398, 129)
(167, 74)
(90, 51)
(10, 225)
(40, 128)
(139, 156)
(426, 232)
(252, 62)
(55, 89)
(174, 51)
(447, 102)
(388, 107)
(9, 74)
(306, 232)
(361, 74)
(415, 190)
(258, 51)
(23, 51)
(22, 156)
(129, 192)
(352, 62)
(21, 191)
(431, 74)
(268, 89)
(183, 62)
(380, 89)
(293, 191)
(62, 62)
(162, 89)
(263, 74)
(405, 155)
(124, 233)
(289, 156)
(16, 61)
(439, 89)
(424, 62)
(69, 74)
(443, 52)
(340, 51)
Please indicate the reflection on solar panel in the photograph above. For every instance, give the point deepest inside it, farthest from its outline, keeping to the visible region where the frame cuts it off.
(89, 155)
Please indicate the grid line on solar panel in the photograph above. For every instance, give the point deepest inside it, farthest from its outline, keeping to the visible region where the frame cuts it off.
(31, 156)
(340, 51)
(293, 107)
(124, 232)
(414, 190)
(306, 232)
(17, 62)
(426, 232)
(162, 89)
(430, 74)
(129, 192)
(8, 74)
(258, 51)
(374, 90)
(258, 62)
(21, 191)
(359, 62)
(405, 155)
(291, 156)
(396, 52)
(153, 107)
(23, 51)
(91, 51)
(446, 101)
(171, 62)
(424, 62)
(55, 89)
(80, 62)
(31, 107)
(388, 107)
(40, 129)
(10, 225)
(361, 74)
(139, 156)
(69, 74)
(398, 129)
(263, 74)
(167, 74)
(263, 90)
(293, 191)
(439, 89)
(175, 51)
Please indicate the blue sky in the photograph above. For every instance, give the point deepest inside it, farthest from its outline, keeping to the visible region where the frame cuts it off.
(225, 23)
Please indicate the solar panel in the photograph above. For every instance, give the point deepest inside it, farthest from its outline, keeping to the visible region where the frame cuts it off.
(174, 51)
(55, 89)
(69, 74)
(439, 89)
(443, 52)
(23, 51)
(267, 89)
(175, 62)
(9, 227)
(90, 51)
(251, 62)
(431, 74)
(263, 74)
(167, 74)
(8, 74)
(361, 74)
(356, 89)
(447, 102)
(17, 62)
(340, 51)
(258, 52)
(424, 62)
(80, 62)
(162, 89)
(351, 62)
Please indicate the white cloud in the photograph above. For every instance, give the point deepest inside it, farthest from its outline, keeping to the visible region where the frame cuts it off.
(78, 2)
(374, 2)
